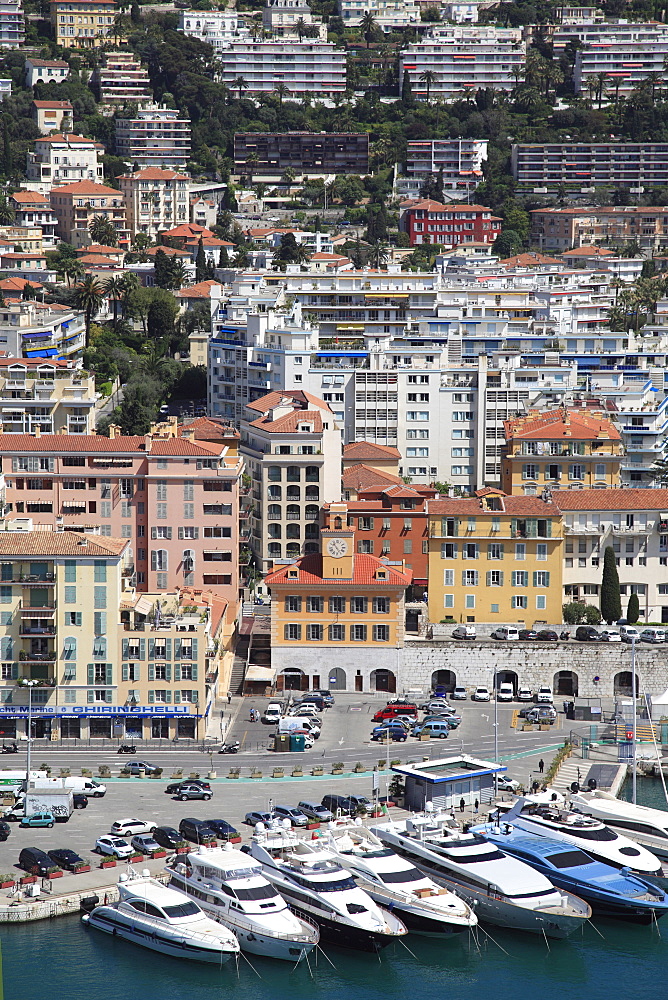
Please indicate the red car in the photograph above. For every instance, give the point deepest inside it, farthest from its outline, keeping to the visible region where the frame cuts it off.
(396, 708)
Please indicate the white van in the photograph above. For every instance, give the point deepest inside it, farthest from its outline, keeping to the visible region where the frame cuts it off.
(86, 786)
(629, 633)
(505, 692)
(505, 632)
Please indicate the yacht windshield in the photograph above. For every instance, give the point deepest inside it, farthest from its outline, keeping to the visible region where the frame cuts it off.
(408, 875)
(568, 859)
(596, 834)
(256, 892)
(188, 909)
(337, 886)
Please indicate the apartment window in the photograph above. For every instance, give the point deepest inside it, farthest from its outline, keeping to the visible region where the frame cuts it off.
(469, 602)
(70, 594)
(541, 602)
(73, 618)
(541, 578)
(470, 550)
(520, 551)
(495, 550)
(315, 605)
(381, 605)
(495, 578)
(100, 597)
(126, 508)
(358, 633)
(408, 546)
(189, 489)
(188, 511)
(359, 605)
(381, 633)
(576, 472)
(520, 578)
(161, 511)
(161, 489)
(448, 577)
(314, 632)
(161, 532)
(336, 632)
(105, 508)
(541, 552)
(292, 632)
(599, 471)
(470, 578)
(448, 600)
(126, 487)
(448, 550)
(337, 605)
(520, 601)
(529, 471)
(100, 571)
(159, 560)
(189, 532)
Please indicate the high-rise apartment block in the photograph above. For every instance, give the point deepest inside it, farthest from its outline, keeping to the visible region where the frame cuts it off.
(157, 137)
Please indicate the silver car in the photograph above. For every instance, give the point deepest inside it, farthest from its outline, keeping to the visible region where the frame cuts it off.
(315, 811)
(296, 816)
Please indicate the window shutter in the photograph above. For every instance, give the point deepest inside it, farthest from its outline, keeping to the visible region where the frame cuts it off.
(168, 672)
(463, 578)
(91, 696)
(168, 649)
(547, 579)
(151, 671)
(151, 697)
(548, 530)
(514, 578)
(489, 577)
(108, 696)
(513, 526)
(489, 551)
(195, 649)
(177, 671)
(177, 697)
(151, 649)
(502, 549)
(91, 673)
(137, 671)
(177, 649)
(194, 676)
(109, 674)
(286, 631)
(180, 533)
(125, 672)
(168, 696)
(125, 650)
(142, 649)
(15, 671)
(501, 579)
(535, 578)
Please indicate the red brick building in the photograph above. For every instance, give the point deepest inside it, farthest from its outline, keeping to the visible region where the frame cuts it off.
(431, 222)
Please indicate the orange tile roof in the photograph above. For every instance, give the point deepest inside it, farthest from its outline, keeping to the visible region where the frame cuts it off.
(588, 251)
(514, 505)
(101, 248)
(17, 284)
(207, 429)
(561, 423)
(155, 174)
(66, 443)
(188, 230)
(48, 105)
(289, 424)
(72, 138)
(202, 290)
(53, 63)
(96, 258)
(364, 477)
(59, 543)
(169, 251)
(181, 446)
(209, 241)
(529, 260)
(364, 573)
(87, 187)
(368, 450)
(613, 498)
(30, 198)
(272, 399)
(429, 205)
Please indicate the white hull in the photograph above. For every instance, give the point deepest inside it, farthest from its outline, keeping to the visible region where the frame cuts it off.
(108, 920)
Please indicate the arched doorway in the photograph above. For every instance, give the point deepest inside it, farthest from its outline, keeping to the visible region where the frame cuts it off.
(336, 679)
(446, 678)
(623, 683)
(383, 680)
(292, 679)
(507, 677)
(565, 682)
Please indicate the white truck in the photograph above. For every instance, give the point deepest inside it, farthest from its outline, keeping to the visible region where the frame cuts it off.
(58, 801)
(12, 782)
(84, 786)
(505, 692)
(294, 724)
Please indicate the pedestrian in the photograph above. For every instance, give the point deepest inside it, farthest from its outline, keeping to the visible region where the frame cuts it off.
(229, 697)
(541, 765)
(461, 805)
(476, 806)
(252, 715)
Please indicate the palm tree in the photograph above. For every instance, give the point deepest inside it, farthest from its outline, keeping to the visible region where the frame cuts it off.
(72, 269)
(6, 213)
(88, 295)
(102, 230)
(368, 26)
(240, 84)
(180, 273)
(282, 92)
(380, 252)
(428, 78)
(252, 161)
(300, 27)
(113, 289)
(601, 79)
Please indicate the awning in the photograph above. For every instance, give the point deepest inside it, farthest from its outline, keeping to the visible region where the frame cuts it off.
(257, 673)
(342, 354)
(42, 354)
(143, 605)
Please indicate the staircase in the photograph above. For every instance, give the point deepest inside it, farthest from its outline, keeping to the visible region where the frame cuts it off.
(568, 773)
(239, 665)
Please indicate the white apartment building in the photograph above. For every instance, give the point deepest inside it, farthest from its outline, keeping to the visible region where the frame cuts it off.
(122, 78)
(215, 27)
(388, 14)
(464, 58)
(292, 447)
(32, 210)
(157, 137)
(306, 67)
(63, 159)
(626, 53)
(461, 13)
(45, 71)
(593, 29)
(31, 329)
(53, 397)
(634, 522)
(12, 24)
(155, 200)
(280, 17)
(461, 161)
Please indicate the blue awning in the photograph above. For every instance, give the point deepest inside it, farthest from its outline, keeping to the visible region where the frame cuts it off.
(42, 354)
(342, 354)
(29, 335)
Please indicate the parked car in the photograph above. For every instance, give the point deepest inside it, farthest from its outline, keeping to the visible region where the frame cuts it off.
(296, 816)
(393, 731)
(222, 829)
(434, 729)
(326, 696)
(524, 694)
(35, 861)
(167, 836)
(464, 632)
(5, 830)
(544, 695)
(65, 858)
(610, 635)
(453, 721)
(652, 635)
(548, 635)
(135, 766)
(114, 846)
(505, 784)
(196, 831)
(629, 633)
(337, 804)
(439, 691)
(315, 811)
(528, 634)
(129, 827)
(438, 705)
(79, 801)
(271, 714)
(145, 843)
(459, 694)
(38, 819)
(505, 691)
(175, 787)
(586, 633)
(258, 817)
(541, 714)
(315, 700)
(395, 708)
(505, 632)
(191, 790)
(481, 694)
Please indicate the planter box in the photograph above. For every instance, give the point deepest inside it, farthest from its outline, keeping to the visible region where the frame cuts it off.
(313, 826)
(159, 854)
(337, 770)
(27, 879)
(107, 864)
(6, 885)
(80, 869)
(278, 773)
(376, 814)
(135, 858)
(235, 840)
(182, 850)
(58, 874)
(124, 774)
(259, 775)
(297, 773)
(317, 771)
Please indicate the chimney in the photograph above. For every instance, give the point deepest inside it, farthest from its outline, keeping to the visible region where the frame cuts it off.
(38, 431)
(83, 542)
(114, 431)
(188, 433)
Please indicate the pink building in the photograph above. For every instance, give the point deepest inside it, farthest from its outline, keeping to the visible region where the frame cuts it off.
(173, 492)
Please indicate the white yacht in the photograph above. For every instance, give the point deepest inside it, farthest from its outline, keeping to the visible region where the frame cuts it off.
(157, 917)
(314, 883)
(503, 890)
(556, 820)
(645, 826)
(231, 887)
(425, 908)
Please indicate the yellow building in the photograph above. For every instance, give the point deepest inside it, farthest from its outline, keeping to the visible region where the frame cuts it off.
(337, 619)
(495, 558)
(82, 23)
(561, 448)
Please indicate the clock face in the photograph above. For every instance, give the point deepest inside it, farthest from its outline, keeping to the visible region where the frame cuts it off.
(337, 547)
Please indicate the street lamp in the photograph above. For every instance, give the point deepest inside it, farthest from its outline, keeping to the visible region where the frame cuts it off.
(30, 684)
(496, 734)
(634, 720)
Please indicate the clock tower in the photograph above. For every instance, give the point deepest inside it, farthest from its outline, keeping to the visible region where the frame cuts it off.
(337, 541)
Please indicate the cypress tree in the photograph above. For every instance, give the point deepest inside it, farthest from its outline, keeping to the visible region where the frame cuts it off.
(406, 89)
(200, 262)
(633, 609)
(162, 270)
(223, 258)
(611, 602)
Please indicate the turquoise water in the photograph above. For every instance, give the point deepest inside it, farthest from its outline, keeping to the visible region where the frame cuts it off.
(63, 959)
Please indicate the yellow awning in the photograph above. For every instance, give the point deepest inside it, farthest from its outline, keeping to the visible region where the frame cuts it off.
(257, 673)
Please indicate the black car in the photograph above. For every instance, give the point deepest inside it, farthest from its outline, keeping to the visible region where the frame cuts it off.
(345, 803)
(548, 635)
(196, 830)
(587, 633)
(176, 786)
(5, 830)
(222, 829)
(167, 836)
(79, 801)
(528, 634)
(35, 861)
(65, 858)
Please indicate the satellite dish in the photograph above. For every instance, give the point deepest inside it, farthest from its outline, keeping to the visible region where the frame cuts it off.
(123, 877)
(591, 784)
(575, 786)
(358, 821)
(429, 807)
(228, 846)
(146, 873)
(260, 827)
(286, 824)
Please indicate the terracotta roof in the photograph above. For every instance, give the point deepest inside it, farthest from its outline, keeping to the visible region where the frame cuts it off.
(48, 105)
(272, 399)
(30, 198)
(209, 241)
(30, 255)
(435, 206)
(66, 443)
(87, 187)
(17, 284)
(364, 477)
(155, 174)
(364, 573)
(514, 505)
(59, 543)
(53, 63)
(187, 230)
(614, 498)
(7, 362)
(489, 491)
(588, 251)
(96, 258)
(169, 251)
(202, 290)
(101, 248)
(289, 424)
(561, 423)
(207, 429)
(181, 446)
(529, 260)
(365, 451)
(72, 138)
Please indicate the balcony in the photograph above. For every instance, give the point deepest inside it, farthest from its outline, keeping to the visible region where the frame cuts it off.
(583, 529)
(32, 579)
(28, 657)
(631, 529)
(27, 630)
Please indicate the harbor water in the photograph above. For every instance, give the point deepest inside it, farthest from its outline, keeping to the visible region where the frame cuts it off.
(63, 959)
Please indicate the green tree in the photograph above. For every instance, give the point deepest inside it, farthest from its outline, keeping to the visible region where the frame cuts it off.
(240, 84)
(280, 89)
(429, 79)
(573, 612)
(88, 295)
(633, 609)
(611, 602)
(162, 271)
(223, 258)
(368, 26)
(162, 312)
(102, 230)
(507, 243)
(114, 288)
(406, 88)
(200, 262)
